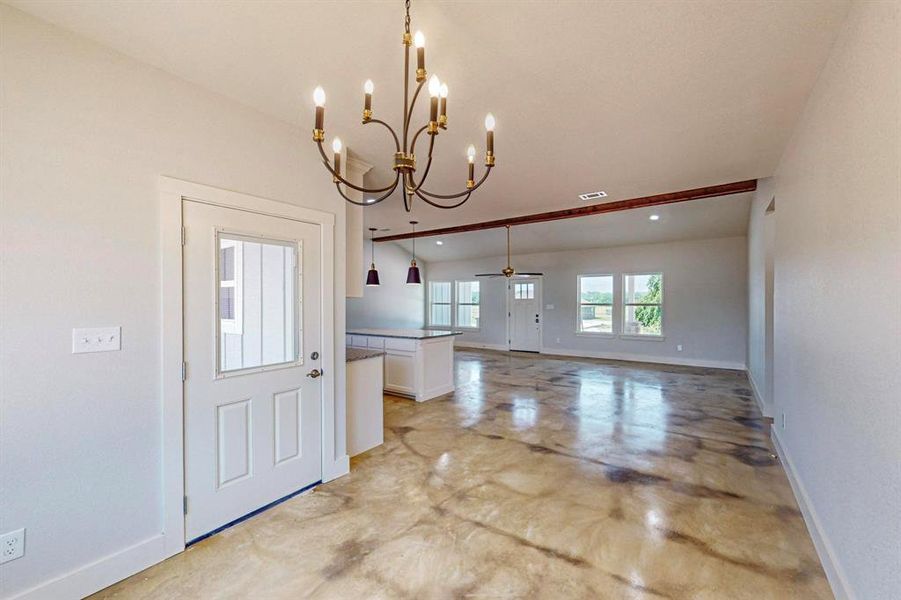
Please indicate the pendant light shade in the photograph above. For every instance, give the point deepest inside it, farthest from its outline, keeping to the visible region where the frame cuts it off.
(372, 277)
(413, 276)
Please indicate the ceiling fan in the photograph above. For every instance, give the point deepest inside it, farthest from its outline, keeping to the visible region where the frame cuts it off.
(508, 271)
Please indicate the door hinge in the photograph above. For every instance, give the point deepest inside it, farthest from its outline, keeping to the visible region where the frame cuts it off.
(185, 505)
(184, 371)
(184, 236)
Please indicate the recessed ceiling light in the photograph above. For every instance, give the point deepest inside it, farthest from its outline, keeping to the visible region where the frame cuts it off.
(593, 196)
(439, 242)
(654, 217)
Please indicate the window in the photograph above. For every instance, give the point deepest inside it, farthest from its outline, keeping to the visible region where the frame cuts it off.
(643, 304)
(523, 291)
(440, 303)
(468, 304)
(595, 303)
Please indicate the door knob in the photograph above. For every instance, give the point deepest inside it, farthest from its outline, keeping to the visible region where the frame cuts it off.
(314, 373)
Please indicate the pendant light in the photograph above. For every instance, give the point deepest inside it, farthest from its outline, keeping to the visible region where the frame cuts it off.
(372, 278)
(413, 277)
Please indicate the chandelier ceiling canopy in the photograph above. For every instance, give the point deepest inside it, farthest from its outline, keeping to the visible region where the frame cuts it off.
(405, 143)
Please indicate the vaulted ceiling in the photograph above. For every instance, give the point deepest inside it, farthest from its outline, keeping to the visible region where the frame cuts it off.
(633, 98)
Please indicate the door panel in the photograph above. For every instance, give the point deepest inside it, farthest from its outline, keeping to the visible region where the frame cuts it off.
(524, 297)
(251, 310)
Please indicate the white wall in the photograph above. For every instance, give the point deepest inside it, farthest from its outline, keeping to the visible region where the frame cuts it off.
(393, 304)
(86, 132)
(761, 247)
(705, 299)
(838, 306)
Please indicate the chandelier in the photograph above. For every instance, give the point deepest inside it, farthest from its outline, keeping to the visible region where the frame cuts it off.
(405, 146)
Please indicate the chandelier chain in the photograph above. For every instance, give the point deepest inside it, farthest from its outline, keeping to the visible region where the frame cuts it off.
(407, 18)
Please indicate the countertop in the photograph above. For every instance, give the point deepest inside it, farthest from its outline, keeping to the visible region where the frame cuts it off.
(352, 354)
(412, 334)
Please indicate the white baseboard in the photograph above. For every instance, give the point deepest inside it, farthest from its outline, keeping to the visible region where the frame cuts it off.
(459, 344)
(664, 360)
(757, 397)
(834, 573)
(99, 574)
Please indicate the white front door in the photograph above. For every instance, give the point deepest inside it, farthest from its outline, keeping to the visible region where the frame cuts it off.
(253, 422)
(524, 297)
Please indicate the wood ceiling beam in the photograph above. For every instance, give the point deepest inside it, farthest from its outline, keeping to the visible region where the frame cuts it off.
(712, 191)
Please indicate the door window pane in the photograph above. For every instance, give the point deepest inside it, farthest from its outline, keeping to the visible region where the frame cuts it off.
(596, 303)
(259, 306)
(523, 291)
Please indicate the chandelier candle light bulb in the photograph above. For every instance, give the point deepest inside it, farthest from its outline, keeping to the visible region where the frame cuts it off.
(319, 101)
(442, 112)
(489, 140)
(336, 147)
(419, 42)
(405, 138)
(471, 157)
(368, 88)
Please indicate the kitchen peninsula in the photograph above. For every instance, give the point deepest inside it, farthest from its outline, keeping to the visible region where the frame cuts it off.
(419, 363)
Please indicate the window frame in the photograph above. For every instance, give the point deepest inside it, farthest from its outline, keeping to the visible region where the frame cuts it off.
(457, 304)
(429, 304)
(580, 304)
(642, 336)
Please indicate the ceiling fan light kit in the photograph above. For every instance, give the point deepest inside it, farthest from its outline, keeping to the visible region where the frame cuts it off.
(508, 271)
(404, 163)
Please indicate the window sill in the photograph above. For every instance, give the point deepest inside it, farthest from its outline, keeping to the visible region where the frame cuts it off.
(601, 335)
(642, 338)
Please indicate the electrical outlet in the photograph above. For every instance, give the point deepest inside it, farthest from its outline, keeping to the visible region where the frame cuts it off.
(558, 340)
(12, 545)
(679, 348)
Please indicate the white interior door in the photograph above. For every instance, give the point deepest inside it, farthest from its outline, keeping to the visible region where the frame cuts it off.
(252, 399)
(524, 297)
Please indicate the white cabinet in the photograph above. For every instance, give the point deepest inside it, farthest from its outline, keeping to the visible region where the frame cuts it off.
(364, 405)
(419, 368)
(400, 372)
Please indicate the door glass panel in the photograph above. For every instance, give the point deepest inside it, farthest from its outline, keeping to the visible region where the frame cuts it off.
(258, 304)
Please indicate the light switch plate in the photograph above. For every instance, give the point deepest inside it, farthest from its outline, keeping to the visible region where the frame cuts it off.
(549, 307)
(96, 339)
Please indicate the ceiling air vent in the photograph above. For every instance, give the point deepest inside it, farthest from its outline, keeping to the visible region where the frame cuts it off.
(593, 196)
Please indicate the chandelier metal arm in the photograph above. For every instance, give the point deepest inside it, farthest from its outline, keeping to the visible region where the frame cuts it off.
(388, 127)
(371, 202)
(416, 136)
(425, 172)
(460, 194)
(408, 111)
(340, 179)
(436, 205)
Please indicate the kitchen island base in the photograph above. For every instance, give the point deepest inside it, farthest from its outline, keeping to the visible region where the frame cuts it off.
(419, 364)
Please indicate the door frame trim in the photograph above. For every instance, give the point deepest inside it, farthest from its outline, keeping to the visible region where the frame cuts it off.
(173, 193)
(510, 282)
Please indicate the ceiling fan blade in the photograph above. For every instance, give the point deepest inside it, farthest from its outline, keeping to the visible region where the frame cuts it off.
(488, 275)
(529, 275)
